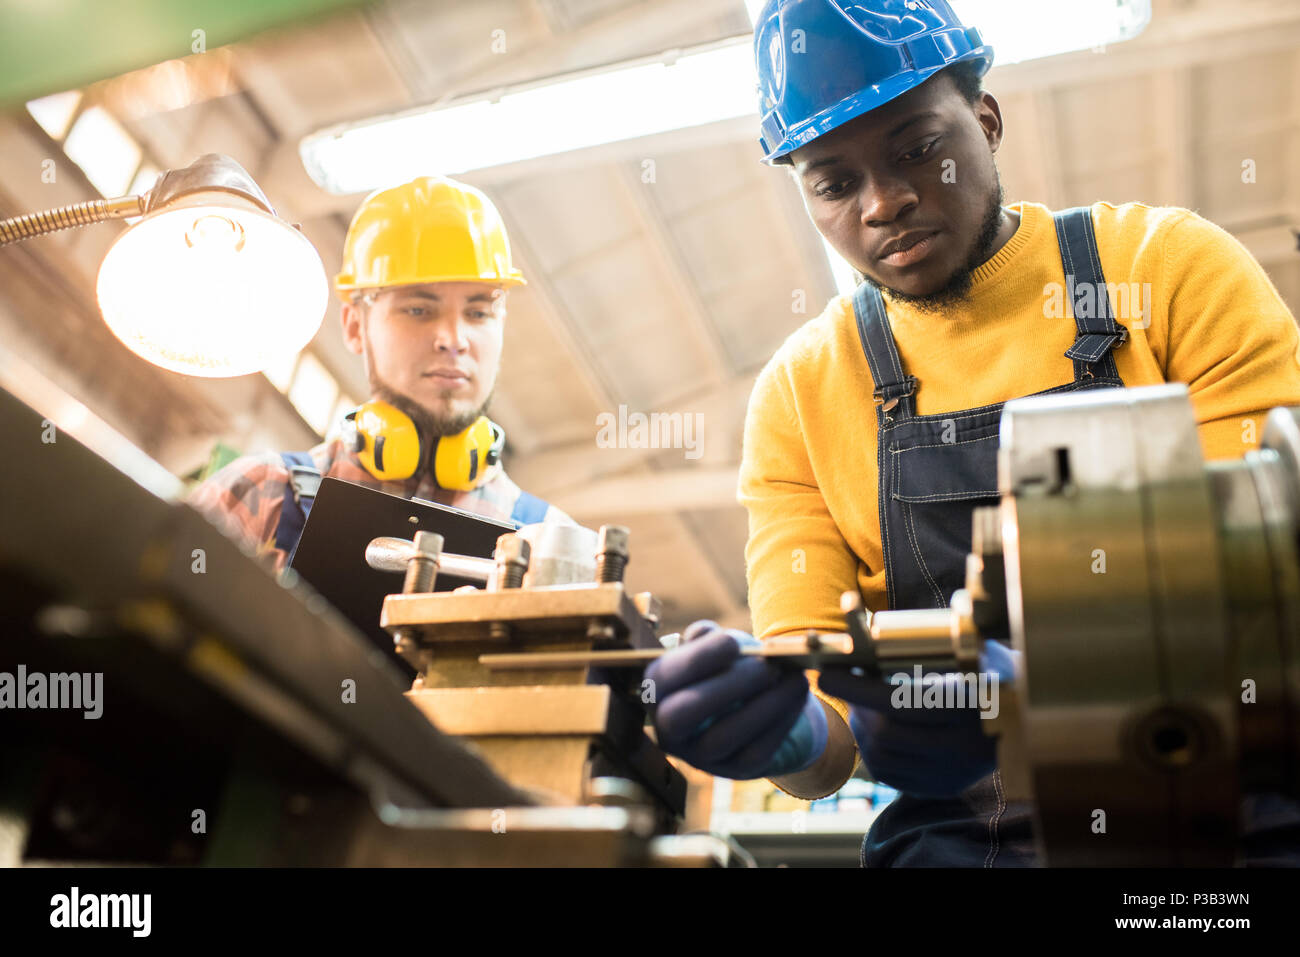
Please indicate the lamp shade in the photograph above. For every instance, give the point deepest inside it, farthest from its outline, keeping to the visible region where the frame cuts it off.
(210, 282)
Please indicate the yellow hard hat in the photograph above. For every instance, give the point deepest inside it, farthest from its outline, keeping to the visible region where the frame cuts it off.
(432, 229)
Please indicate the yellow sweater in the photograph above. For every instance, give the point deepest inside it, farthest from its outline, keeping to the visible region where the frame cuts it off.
(808, 473)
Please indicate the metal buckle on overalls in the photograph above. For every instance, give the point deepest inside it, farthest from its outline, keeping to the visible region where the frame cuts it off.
(1121, 337)
(911, 381)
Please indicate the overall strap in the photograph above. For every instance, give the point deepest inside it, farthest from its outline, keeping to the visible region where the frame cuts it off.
(528, 509)
(1096, 333)
(299, 494)
(893, 387)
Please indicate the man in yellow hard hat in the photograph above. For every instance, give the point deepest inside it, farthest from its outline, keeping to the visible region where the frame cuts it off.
(426, 270)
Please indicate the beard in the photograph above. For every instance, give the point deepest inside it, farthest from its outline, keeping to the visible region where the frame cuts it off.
(429, 423)
(958, 286)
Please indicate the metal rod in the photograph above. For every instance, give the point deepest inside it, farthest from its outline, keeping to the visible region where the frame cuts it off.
(912, 624)
(780, 647)
(391, 555)
(466, 566)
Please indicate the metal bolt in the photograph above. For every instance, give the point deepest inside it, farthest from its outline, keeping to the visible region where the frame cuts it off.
(611, 553)
(511, 555)
(421, 573)
(422, 568)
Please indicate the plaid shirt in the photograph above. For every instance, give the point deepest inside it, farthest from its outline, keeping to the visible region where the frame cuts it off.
(244, 499)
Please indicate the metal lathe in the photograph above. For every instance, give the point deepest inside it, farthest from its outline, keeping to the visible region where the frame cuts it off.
(1155, 600)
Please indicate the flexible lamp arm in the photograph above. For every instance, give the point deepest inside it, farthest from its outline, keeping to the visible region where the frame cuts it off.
(211, 172)
(17, 228)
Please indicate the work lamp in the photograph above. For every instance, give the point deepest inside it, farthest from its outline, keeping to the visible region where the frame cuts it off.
(209, 282)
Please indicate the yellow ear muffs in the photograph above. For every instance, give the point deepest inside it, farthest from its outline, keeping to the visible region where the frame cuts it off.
(384, 439)
(468, 459)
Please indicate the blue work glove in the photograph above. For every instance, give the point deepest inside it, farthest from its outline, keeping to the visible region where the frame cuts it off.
(732, 715)
(925, 751)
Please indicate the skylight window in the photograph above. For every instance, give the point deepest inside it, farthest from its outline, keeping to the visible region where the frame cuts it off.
(105, 152)
(54, 113)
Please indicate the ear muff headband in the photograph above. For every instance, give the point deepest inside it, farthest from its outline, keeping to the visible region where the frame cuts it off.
(389, 446)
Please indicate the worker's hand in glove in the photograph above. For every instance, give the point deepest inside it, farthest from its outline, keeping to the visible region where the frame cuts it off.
(736, 716)
(925, 751)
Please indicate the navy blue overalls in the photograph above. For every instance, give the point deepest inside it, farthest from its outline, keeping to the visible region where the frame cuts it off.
(934, 470)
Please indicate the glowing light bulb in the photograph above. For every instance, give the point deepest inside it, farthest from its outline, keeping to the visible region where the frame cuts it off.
(212, 291)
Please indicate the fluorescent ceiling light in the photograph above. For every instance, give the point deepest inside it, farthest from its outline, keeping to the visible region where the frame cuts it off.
(707, 84)
(704, 86)
(1028, 29)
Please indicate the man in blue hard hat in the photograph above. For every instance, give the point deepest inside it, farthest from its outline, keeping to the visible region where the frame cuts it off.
(872, 434)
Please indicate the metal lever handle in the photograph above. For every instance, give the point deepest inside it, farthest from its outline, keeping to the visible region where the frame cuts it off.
(804, 651)
(387, 554)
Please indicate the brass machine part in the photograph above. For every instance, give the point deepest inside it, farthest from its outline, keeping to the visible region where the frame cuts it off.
(453, 629)
(888, 641)
(938, 638)
(505, 711)
(542, 727)
(508, 666)
(539, 737)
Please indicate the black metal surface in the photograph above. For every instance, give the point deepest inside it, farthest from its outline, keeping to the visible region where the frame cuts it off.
(207, 665)
(626, 751)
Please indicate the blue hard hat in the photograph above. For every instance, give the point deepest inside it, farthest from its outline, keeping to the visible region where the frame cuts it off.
(822, 63)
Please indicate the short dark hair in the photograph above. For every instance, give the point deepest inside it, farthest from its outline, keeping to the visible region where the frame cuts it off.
(968, 80)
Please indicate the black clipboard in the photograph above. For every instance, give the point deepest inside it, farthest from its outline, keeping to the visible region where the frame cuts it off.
(331, 555)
